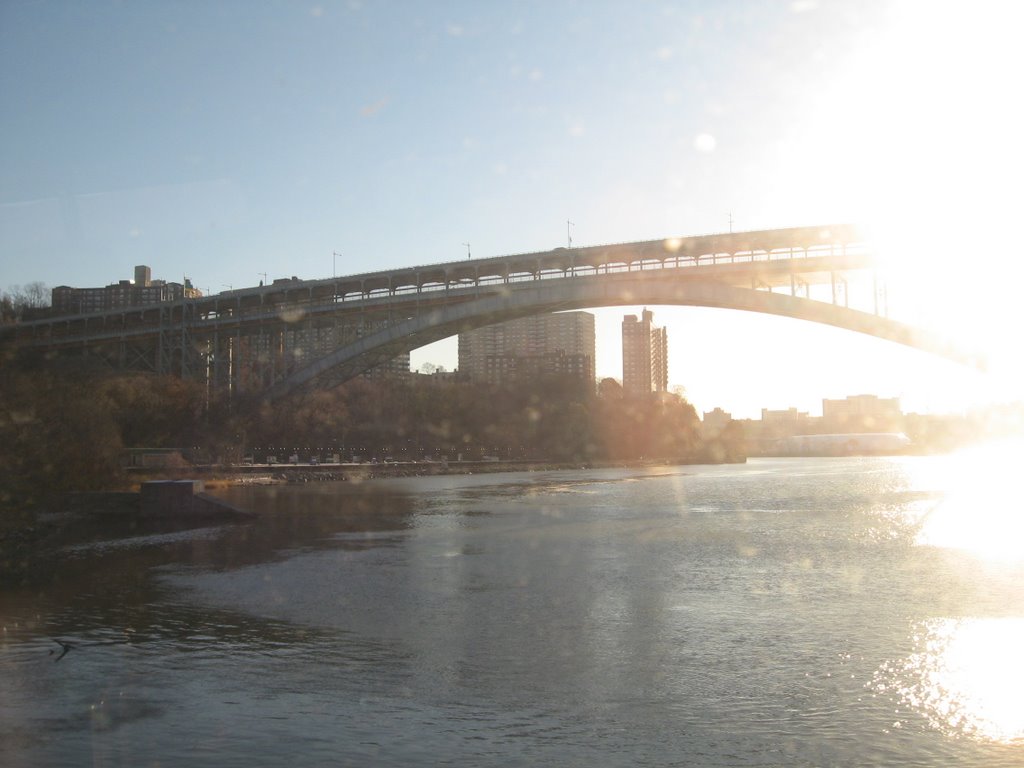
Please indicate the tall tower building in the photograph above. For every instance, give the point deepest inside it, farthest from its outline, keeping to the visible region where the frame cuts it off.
(560, 343)
(644, 355)
(143, 276)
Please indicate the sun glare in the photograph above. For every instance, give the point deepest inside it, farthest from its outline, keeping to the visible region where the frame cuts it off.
(921, 132)
(965, 677)
(982, 512)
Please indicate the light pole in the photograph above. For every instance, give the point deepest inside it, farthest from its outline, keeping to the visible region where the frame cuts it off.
(568, 234)
(264, 276)
(469, 253)
(334, 268)
(229, 287)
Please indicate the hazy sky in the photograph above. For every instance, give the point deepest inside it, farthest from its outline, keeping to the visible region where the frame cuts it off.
(224, 140)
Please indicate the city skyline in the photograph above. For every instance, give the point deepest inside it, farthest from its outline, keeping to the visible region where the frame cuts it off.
(226, 142)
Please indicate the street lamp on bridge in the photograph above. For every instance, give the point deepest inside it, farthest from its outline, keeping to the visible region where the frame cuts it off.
(469, 254)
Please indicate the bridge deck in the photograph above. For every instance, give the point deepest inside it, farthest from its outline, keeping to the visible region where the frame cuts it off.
(764, 259)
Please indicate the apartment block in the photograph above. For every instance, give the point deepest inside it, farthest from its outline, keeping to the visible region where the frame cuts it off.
(644, 355)
(66, 300)
(560, 343)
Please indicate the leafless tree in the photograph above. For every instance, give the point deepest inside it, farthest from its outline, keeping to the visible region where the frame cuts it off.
(18, 298)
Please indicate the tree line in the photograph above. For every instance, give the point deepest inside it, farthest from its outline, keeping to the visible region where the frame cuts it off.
(65, 426)
(552, 418)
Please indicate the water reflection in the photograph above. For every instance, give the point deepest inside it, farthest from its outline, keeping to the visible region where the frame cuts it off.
(703, 616)
(965, 677)
(105, 589)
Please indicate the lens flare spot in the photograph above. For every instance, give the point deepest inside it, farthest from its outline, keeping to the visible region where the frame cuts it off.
(292, 314)
(705, 143)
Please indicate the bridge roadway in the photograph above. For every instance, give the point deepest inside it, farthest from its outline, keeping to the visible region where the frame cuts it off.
(276, 337)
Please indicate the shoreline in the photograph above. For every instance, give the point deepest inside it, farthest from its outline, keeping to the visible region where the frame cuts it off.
(216, 476)
(30, 538)
(28, 534)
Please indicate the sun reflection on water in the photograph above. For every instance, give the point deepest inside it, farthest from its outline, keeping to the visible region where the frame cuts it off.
(982, 511)
(965, 677)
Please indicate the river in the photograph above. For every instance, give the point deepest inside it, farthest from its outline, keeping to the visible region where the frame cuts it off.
(786, 612)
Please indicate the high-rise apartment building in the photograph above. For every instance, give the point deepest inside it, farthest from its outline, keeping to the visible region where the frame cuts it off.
(560, 343)
(644, 355)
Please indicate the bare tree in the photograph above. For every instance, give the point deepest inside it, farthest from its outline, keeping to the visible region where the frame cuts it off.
(35, 295)
(18, 298)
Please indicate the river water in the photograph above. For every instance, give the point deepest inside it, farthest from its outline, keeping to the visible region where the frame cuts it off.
(786, 612)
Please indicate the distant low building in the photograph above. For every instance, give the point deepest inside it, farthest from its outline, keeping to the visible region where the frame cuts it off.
(861, 424)
(787, 422)
(714, 422)
(862, 413)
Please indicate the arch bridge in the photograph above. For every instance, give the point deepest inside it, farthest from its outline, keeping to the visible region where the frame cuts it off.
(294, 333)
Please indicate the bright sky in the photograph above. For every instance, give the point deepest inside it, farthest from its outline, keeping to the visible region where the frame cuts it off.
(225, 140)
